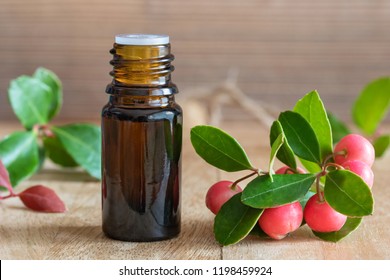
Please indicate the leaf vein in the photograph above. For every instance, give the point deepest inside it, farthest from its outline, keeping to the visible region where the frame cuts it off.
(75, 139)
(347, 195)
(221, 152)
(277, 188)
(300, 140)
(35, 111)
(234, 228)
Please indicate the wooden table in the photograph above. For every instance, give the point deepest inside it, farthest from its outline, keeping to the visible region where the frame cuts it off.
(77, 233)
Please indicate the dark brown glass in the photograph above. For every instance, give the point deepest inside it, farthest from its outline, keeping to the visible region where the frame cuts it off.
(141, 147)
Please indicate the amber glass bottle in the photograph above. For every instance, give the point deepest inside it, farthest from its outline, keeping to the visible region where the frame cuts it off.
(141, 142)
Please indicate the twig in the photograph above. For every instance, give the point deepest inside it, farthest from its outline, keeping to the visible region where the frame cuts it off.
(228, 92)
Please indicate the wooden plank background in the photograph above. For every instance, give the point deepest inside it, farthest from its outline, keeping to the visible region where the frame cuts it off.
(281, 49)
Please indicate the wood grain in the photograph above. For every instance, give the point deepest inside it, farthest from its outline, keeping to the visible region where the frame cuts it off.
(77, 234)
(367, 242)
(282, 49)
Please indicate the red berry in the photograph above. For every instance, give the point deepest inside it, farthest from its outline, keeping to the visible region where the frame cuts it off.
(219, 193)
(320, 217)
(287, 170)
(277, 222)
(354, 147)
(362, 169)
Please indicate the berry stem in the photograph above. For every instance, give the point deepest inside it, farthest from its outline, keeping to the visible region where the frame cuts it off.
(328, 158)
(337, 166)
(318, 188)
(233, 187)
(340, 153)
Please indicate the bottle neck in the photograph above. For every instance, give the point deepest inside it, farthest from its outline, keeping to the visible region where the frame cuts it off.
(141, 101)
(142, 70)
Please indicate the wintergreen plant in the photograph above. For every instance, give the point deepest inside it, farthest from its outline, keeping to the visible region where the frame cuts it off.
(36, 100)
(304, 135)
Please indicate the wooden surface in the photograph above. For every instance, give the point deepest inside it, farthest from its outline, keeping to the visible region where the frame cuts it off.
(77, 233)
(282, 49)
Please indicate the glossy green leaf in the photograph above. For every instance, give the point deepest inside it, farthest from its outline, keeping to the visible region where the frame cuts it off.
(339, 128)
(83, 143)
(381, 144)
(312, 109)
(57, 153)
(50, 79)
(372, 105)
(31, 100)
(262, 192)
(310, 166)
(20, 155)
(219, 148)
(235, 221)
(257, 231)
(279, 141)
(305, 198)
(300, 136)
(303, 202)
(350, 225)
(348, 194)
(285, 153)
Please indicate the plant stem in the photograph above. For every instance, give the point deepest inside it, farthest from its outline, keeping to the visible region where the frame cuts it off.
(318, 188)
(12, 194)
(340, 153)
(233, 187)
(328, 158)
(337, 166)
(36, 129)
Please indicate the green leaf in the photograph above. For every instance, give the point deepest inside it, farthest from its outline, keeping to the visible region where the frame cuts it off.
(219, 148)
(339, 129)
(262, 192)
(31, 100)
(300, 136)
(381, 144)
(20, 155)
(57, 153)
(312, 109)
(348, 194)
(257, 231)
(372, 105)
(310, 166)
(305, 198)
(285, 153)
(279, 141)
(303, 202)
(235, 221)
(51, 79)
(83, 143)
(350, 225)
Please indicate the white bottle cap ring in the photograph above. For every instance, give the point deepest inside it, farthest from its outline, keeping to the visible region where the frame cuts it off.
(141, 39)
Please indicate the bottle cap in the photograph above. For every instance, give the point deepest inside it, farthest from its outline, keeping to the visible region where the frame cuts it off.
(142, 39)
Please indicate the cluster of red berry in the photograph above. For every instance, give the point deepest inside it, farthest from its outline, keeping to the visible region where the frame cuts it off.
(353, 152)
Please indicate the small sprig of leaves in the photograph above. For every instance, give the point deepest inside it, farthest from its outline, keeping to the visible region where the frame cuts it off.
(303, 134)
(36, 100)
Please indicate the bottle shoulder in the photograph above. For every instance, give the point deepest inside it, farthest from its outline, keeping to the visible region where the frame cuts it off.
(141, 113)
